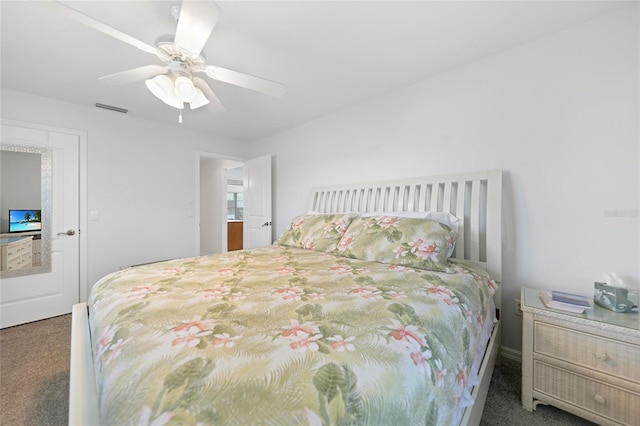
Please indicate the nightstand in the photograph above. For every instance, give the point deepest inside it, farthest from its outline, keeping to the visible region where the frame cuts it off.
(587, 364)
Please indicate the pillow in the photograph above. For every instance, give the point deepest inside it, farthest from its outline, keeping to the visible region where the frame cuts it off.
(447, 218)
(443, 217)
(414, 242)
(320, 232)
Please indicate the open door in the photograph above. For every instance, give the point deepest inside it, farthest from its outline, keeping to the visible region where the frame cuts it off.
(257, 202)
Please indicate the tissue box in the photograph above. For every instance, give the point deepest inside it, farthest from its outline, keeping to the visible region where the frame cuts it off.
(616, 299)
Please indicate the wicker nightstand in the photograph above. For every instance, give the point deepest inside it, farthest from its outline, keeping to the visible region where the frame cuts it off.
(587, 364)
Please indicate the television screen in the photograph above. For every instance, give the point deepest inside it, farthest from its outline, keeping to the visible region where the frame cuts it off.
(24, 221)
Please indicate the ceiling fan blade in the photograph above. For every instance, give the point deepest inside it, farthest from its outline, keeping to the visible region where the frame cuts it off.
(103, 28)
(195, 23)
(214, 103)
(135, 74)
(247, 81)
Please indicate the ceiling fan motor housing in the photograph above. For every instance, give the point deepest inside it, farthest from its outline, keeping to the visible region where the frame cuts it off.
(180, 68)
(180, 60)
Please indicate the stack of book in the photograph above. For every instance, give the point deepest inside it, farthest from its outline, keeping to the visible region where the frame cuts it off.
(565, 301)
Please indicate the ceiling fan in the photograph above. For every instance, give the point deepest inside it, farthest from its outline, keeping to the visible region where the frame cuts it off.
(176, 82)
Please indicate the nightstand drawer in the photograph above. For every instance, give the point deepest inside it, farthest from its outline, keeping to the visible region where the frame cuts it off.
(594, 352)
(604, 400)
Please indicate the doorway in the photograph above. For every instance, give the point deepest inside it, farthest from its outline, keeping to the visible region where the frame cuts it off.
(216, 176)
(235, 208)
(211, 208)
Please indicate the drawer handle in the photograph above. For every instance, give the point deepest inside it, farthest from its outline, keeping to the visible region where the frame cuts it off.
(599, 399)
(602, 356)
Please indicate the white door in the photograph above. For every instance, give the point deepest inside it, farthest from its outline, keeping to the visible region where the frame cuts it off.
(38, 296)
(257, 202)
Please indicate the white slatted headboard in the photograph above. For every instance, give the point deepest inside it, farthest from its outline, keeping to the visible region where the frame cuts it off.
(475, 198)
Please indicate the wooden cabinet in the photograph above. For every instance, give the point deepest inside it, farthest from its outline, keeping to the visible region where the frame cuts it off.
(587, 364)
(234, 235)
(16, 253)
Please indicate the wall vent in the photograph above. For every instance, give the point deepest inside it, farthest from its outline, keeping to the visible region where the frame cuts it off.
(112, 108)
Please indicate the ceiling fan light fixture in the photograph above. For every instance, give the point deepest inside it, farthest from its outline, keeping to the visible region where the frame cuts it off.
(198, 100)
(184, 89)
(158, 85)
(161, 87)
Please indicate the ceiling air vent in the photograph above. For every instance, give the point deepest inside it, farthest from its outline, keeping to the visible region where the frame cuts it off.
(112, 108)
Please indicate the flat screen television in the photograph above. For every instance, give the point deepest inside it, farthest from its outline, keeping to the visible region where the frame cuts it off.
(25, 221)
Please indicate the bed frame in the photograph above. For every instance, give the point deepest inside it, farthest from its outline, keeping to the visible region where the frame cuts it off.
(475, 198)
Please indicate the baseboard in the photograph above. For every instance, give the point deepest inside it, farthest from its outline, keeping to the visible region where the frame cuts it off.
(511, 354)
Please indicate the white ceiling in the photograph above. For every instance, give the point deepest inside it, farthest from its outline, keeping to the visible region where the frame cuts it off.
(328, 54)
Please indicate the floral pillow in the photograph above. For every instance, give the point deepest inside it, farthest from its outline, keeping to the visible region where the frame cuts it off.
(319, 232)
(413, 242)
(443, 217)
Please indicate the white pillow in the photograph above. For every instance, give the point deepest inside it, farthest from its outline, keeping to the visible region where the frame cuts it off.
(447, 218)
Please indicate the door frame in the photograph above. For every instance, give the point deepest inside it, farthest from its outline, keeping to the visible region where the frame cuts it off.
(83, 273)
(199, 155)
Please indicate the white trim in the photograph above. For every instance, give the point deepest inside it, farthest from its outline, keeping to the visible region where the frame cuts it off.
(511, 354)
(84, 216)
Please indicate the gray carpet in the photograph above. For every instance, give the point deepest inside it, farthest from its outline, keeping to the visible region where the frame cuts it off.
(34, 373)
(34, 380)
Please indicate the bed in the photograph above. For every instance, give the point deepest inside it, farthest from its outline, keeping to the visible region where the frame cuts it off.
(379, 305)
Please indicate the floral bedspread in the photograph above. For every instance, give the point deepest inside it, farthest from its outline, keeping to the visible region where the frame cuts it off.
(285, 336)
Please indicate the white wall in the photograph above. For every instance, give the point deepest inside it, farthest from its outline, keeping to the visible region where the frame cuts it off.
(558, 115)
(141, 179)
